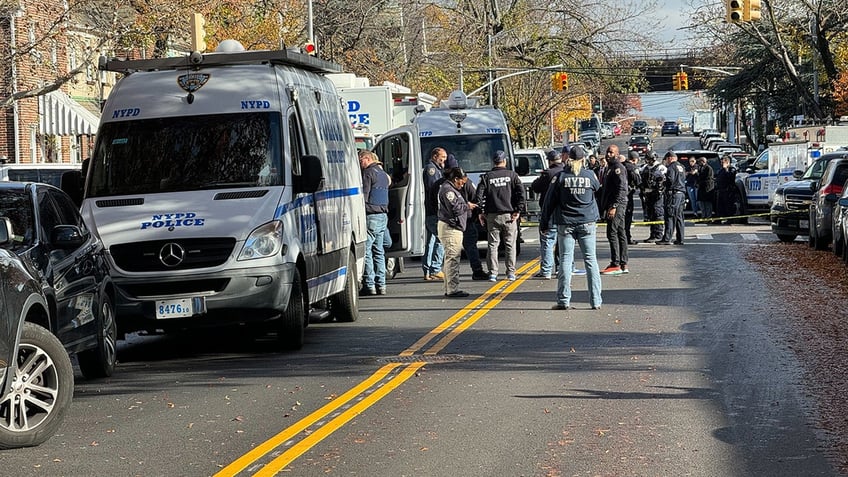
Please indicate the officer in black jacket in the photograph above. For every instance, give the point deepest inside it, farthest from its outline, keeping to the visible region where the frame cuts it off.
(675, 199)
(614, 205)
(501, 196)
(653, 195)
(634, 183)
(547, 240)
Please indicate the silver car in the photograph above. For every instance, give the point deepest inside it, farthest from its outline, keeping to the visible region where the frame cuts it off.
(36, 377)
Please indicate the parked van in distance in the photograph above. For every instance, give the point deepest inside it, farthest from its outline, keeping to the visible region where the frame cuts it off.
(228, 191)
(46, 173)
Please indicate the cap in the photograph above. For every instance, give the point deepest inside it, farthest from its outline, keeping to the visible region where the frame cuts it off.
(553, 156)
(633, 155)
(670, 154)
(566, 148)
(451, 162)
(577, 152)
(499, 157)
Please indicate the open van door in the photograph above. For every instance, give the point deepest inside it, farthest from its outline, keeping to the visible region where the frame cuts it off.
(400, 154)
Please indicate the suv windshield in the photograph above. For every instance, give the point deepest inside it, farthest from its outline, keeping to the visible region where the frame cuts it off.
(816, 169)
(474, 152)
(186, 154)
(15, 204)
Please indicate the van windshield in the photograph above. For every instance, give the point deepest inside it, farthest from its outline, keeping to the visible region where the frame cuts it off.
(474, 152)
(178, 154)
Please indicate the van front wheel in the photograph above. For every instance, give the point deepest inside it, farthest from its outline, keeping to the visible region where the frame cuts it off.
(345, 304)
(291, 328)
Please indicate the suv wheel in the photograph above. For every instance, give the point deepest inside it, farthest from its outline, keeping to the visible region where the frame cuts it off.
(41, 390)
(99, 362)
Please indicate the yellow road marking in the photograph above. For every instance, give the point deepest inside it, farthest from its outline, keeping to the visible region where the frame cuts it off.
(240, 464)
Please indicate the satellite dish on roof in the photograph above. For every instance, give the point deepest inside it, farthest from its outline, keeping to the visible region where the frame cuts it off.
(229, 46)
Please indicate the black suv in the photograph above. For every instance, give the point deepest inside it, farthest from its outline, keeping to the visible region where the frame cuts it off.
(639, 127)
(48, 234)
(827, 192)
(790, 208)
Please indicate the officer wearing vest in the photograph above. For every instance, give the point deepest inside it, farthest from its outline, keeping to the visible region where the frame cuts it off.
(653, 203)
(375, 189)
(501, 196)
(675, 199)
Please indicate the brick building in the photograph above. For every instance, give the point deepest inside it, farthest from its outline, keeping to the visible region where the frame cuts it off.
(44, 42)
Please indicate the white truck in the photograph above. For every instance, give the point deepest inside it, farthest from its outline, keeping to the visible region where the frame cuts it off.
(703, 119)
(773, 167)
(373, 110)
(471, 133)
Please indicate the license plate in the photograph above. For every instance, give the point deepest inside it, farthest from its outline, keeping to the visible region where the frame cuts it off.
(804, 224)
(179, 308)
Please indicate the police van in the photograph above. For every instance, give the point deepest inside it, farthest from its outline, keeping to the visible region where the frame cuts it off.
(470, 132)
(226, 188)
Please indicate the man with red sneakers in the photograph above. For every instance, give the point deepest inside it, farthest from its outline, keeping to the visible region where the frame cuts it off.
(614, 207)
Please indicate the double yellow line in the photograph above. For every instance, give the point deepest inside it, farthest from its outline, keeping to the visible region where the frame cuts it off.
(368, 392)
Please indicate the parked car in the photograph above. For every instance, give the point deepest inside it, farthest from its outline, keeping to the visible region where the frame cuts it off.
(840, 225)
(616, 128)
(670, 127)
(640, 144)
(639, 127)
(790, 207)
(606, 131)
(36, 376)
(825, 194)
(49, 236)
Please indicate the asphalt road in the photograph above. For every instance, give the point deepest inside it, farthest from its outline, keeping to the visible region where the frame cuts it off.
(683, 372)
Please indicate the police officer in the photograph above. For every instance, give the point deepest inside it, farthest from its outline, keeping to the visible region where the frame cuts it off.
(501, 196)
(614, 205)
(375, 189)
(653, 188)
(547, 239)
(634, 183)
(675, 199)
(453, 218)
(434, 253)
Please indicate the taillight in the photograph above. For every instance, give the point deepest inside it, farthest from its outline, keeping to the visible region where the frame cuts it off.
(832, 189)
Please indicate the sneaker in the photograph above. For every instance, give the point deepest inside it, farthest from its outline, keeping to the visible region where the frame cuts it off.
(633, 242)
(511, 277)
(579, 272)
(437, 276)
(678, 242)
(651, 240)
(560, 306)
(596, 307)
(479, 275)
(493, 277)
(624, 269)
(381, 291)
(457, 294)
(611, 270)
(663, 242)
(429, 278)
(367, 292)
(542, 276)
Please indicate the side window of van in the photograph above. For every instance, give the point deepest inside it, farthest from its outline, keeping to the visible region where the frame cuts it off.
(294, 144)
(394, 154)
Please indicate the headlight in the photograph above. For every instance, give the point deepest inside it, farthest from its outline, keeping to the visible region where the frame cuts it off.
(779, 200)
(263, 242)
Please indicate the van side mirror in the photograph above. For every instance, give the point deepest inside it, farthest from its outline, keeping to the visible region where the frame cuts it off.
(5, 231)
(523, 167)
(311, 175)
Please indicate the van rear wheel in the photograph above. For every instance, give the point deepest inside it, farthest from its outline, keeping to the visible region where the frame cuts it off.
(345, 304)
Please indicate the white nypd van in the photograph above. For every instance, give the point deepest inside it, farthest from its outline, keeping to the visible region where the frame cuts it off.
(226, 188)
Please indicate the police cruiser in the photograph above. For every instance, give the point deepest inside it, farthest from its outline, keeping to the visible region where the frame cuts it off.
(226, 187)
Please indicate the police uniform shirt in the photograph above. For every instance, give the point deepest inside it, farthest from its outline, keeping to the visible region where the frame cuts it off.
(614, 193)
(432, 173)
(500, 192)
(453, 209)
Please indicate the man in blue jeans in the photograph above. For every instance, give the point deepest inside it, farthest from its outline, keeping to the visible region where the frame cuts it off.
(570, 205)
(375, 189)
(434, 252)
(547, 240)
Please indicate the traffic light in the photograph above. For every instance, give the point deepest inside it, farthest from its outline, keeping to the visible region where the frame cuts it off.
(563, 79)
(751, 10)
(198, 33)
(683, 80)
(556, 82)
(309, 48)
(735, 10)
(675, 81)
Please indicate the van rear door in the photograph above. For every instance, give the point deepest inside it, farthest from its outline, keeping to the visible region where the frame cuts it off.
(400, 154)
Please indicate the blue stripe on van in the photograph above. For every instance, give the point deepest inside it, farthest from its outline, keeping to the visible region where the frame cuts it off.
(311, 198)
(327, 277)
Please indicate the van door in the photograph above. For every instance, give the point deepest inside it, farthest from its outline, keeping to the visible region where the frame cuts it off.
(400, 154)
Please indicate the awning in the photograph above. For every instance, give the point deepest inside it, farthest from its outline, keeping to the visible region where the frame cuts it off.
(62, 116)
